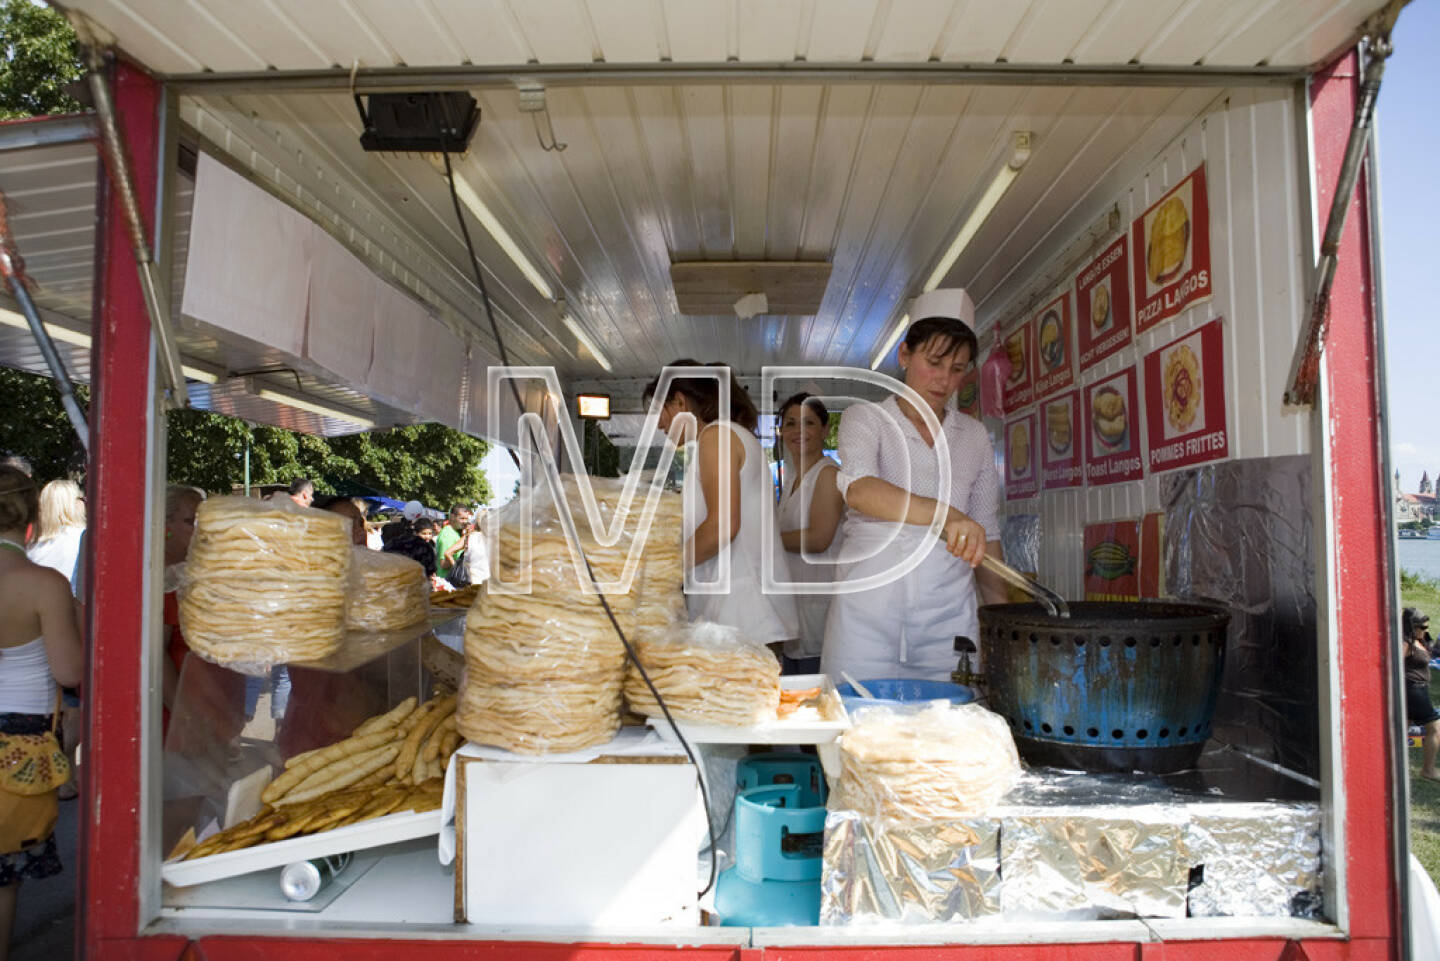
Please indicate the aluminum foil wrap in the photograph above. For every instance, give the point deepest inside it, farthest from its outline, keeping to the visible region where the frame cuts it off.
(1254, 859)
(1020, 537)
(918, 873)
(1095, 862)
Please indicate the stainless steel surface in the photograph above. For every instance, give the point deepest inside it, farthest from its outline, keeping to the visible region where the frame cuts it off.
(1053, 603)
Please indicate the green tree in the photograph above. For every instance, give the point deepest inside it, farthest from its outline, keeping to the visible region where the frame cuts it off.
(39, 56)
(35, 427)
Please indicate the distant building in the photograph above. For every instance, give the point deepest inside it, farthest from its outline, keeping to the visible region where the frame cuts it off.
(1419, 506)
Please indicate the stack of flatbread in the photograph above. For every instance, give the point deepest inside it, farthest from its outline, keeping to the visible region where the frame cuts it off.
(543, 670)
(388, 592)
(265, 582)
(939, 762)
(707, 674)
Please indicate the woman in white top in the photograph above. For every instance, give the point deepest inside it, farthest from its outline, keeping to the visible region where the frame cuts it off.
(40, 648)
(727, 461)
(810, 513)
(890, 479)
(61, 527)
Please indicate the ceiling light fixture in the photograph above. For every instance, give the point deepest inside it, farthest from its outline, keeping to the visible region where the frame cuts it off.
(890, 342)
(300, 403)
(1004, 177)
(501, 236)
(78, 338)
(585, 341)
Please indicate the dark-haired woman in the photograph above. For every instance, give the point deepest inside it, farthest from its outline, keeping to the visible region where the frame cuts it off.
(40, 648)
(890, 479)
(810, 512)
(728, 462)
(1419, 709)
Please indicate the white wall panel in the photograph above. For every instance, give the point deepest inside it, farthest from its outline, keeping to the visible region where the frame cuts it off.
(1258, 263)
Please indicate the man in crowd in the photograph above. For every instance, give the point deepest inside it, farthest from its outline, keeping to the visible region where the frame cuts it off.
(302, 491)
(452, 540)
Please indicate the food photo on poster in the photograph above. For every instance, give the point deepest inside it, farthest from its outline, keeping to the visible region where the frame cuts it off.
(1172, 252)
(1020, 385)
(1112, 447)
(1054, 347)
(1102, 305)
(1185, 400)
(1021, 470)
(1060, 460)
(1112, 561)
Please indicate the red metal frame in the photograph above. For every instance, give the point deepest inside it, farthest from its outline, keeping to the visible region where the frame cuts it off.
(109, 902)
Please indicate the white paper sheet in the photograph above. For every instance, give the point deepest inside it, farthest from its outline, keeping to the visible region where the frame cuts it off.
(340, 324)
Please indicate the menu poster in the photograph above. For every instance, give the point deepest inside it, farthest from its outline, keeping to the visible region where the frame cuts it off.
(1112, 434)
(1185, 400)
(1019, 388)
(1102, 305)
(1152, 555)
(1112, 561)
(1172, 253)
(1054, 347)
(1021, 470)
(1060, 461)
(967, 398)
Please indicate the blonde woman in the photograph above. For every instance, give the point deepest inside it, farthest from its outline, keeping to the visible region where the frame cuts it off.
(60, 529)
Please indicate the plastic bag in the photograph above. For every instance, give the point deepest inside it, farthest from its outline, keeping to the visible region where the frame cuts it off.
(265, 583)
(993, 376)
(930, 762)
(708, 674)
(388, 592)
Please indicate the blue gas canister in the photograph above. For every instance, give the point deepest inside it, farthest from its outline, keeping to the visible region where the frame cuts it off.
(779, 831)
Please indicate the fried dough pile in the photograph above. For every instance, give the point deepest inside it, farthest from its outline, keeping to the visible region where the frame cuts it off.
(265, 582)
(388, 592)
(940, 762)
(393, 762)
(707, 674)
(544, 669)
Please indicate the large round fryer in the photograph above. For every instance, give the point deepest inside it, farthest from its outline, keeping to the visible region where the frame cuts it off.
(1115, 687)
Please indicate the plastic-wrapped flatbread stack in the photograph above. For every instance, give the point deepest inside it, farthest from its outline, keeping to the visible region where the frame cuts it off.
(708, 674)
(265, 582)
(932, 763)
(543, 670)
(388, 592)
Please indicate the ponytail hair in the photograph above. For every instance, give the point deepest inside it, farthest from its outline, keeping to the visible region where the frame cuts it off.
(703, 393)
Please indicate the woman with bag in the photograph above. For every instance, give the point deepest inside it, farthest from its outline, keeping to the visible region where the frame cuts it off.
(40, 650)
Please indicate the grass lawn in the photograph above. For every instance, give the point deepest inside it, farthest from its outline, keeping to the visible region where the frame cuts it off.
(1424, 795)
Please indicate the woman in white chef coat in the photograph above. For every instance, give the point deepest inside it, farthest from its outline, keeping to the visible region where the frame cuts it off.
(810, 512)
(889, 478)
(738, 468)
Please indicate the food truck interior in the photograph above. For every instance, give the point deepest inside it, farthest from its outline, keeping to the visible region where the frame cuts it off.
(632, 177)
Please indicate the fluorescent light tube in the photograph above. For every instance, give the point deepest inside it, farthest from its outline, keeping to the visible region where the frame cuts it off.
(472, 200)
(585, 340)
(64, 335)
(987, 203)
(1020, 144)
(299, 403)
(890, 342)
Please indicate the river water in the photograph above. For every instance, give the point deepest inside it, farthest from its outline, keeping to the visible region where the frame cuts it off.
(1420, 557)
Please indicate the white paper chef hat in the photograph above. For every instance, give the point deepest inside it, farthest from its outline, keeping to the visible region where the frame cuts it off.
(952, 302)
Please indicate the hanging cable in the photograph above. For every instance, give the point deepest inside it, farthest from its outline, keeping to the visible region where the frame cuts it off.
(604, 603)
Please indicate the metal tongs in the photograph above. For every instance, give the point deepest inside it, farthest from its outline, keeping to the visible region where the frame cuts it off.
(1053, 603)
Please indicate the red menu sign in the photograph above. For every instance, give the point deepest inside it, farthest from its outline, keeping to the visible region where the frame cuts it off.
(1185, 399)
(1102, 305)
(1060, 461)
(1054, 353)
(1171, 241)
(1112, 561)
(1112, 430)
(1019, 388)
(1021, 471)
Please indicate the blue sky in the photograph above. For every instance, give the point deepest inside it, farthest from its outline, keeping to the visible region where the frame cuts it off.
(1409, 129)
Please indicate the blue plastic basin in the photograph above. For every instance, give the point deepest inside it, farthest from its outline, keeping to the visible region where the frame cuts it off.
(904, 690)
